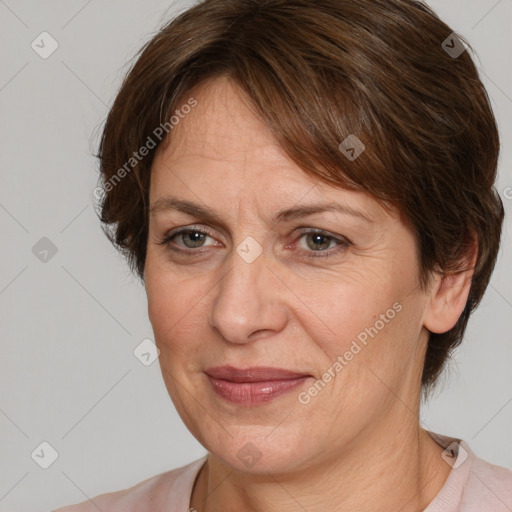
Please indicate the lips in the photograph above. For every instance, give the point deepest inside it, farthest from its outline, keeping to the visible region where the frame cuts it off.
(252, 386)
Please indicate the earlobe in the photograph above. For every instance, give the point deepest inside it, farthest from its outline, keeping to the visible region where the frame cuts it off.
(449, 295)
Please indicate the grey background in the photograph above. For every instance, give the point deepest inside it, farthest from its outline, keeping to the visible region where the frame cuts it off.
(68, 375)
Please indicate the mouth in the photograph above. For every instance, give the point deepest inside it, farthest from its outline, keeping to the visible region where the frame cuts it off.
(253, 386)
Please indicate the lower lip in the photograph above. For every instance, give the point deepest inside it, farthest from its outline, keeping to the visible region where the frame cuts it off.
(253, 393)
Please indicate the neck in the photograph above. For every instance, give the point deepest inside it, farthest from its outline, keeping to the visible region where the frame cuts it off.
(384, 469)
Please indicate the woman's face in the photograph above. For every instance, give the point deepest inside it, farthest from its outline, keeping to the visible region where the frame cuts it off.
(258, 281)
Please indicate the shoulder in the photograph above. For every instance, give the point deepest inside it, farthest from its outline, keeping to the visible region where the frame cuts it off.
(473, 484)
(171, 488)
(489, 487)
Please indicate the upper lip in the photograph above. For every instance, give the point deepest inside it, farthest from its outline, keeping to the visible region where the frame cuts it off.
(252, 374)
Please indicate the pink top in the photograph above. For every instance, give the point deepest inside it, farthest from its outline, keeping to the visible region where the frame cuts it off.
(472, 486)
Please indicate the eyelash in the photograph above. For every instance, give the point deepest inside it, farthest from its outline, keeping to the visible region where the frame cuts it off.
(343, 243)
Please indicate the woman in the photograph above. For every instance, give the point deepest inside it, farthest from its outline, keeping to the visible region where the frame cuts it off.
(306, 190)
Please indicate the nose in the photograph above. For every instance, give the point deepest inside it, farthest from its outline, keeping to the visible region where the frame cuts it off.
(249, 301)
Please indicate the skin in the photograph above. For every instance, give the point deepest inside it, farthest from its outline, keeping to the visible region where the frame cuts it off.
(357, 445)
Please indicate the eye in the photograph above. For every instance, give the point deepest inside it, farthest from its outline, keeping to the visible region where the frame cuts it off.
(190, 238)
(318, 243)
(312, 242)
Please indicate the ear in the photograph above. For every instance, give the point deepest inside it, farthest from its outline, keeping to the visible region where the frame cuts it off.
(449, 294)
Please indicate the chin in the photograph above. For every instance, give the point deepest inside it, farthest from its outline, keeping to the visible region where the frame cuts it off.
(259, 450)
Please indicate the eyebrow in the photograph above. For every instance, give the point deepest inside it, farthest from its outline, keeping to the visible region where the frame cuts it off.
(196, 210)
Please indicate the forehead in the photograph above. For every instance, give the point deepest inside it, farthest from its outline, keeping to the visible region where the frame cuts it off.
(222, 142)
(223, 149)
(223, 126)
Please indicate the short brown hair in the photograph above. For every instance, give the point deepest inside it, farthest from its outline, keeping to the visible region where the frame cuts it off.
(317, 71)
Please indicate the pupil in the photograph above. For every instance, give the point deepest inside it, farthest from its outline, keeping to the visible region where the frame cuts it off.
(317, 242)
(195, 238)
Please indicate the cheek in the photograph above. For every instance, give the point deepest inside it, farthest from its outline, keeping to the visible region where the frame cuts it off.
(345, 310)
(167, 303)
(169, 295)
(364, 331)
(177, 310)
